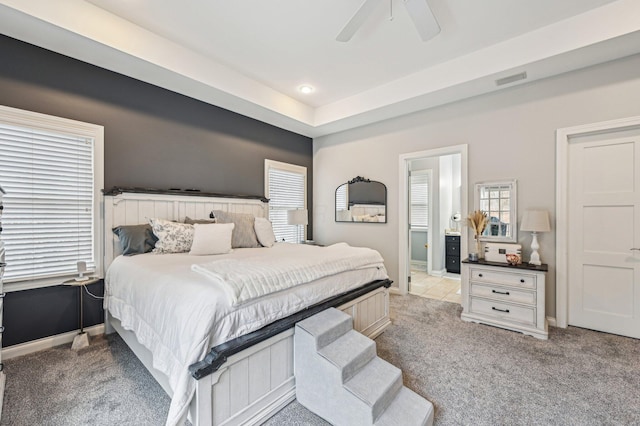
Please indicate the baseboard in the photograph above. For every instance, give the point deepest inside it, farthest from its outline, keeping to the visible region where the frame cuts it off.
(47, 342)
(552, 321)
(394, 290)
(420, 265)
(439, 273)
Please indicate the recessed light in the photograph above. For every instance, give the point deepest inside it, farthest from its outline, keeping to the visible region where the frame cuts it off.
(306, 89)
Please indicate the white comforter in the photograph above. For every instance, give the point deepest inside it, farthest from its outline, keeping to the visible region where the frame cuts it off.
(179, 314)
(255, 277)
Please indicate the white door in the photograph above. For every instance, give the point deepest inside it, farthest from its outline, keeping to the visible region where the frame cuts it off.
(604, 232)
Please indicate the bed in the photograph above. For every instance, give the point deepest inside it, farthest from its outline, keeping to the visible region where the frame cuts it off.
(221, 365)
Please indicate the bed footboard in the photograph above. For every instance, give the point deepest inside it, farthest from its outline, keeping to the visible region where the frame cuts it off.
(257, 382)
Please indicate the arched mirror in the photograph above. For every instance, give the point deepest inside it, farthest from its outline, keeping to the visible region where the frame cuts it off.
(361, 200)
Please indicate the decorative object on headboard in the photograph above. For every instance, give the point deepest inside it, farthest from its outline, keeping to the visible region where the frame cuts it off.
(116, 190)
(361, 200)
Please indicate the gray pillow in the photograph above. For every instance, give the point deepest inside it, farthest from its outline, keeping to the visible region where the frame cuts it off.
(135, 239)
(244, 234)
(190, 221)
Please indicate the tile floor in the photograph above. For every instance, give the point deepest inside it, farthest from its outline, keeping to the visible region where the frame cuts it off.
(431, 287)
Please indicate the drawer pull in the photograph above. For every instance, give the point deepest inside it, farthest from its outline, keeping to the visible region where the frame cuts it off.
(522, 280)
(506, 293)
(500, 310)
(479, 275)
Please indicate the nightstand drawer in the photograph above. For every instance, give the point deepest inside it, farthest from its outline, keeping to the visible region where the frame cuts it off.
(503, 294)
(503, 278)
(452, 245)
(504, 311)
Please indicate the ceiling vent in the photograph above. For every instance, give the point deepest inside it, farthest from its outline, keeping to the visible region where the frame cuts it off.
(511, 79)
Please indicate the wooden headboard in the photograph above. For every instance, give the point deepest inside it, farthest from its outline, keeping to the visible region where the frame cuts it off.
(134, 208)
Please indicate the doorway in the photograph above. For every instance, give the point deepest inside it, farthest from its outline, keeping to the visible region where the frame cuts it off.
(433, 198)
(599, 276)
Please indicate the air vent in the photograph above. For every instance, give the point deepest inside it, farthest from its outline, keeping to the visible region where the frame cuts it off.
(511, 79)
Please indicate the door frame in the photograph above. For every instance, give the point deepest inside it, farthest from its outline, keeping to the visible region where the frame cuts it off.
(563, 139)
(403, 215)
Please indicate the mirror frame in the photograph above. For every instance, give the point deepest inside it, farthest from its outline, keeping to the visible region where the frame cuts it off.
(513, 211)
(356, 180)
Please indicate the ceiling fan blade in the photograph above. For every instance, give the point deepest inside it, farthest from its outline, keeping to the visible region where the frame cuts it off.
(423, 19)
(357, 20)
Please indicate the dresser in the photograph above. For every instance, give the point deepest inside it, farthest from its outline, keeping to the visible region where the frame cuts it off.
(510, 297)
(452, 253)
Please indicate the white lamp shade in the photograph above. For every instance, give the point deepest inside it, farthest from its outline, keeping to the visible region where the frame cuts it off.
(536, 221)
(298, 217)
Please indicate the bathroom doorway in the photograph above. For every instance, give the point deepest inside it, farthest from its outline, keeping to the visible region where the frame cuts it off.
(432, 241)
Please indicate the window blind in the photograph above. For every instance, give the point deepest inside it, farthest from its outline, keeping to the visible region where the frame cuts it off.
(48, 210)
(419, 200)
(286, 191)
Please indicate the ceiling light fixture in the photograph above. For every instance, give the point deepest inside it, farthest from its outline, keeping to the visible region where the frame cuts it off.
(306, 89)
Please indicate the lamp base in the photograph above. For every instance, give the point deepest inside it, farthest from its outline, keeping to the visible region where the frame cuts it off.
(80, 341)
(535, 256)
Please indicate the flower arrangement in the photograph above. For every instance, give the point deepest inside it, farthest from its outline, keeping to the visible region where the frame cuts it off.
(478, 221)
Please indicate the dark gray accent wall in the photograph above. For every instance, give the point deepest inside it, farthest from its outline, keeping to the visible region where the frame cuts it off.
(42, 312)
(154, 138)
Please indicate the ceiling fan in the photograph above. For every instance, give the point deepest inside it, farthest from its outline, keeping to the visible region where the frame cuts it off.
(419, 10)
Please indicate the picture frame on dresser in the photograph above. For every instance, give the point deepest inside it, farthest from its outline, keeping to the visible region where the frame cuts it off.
(506, 296)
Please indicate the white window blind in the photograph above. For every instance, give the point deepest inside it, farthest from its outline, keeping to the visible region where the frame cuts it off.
(419, 200)
(286, 190)
(49, 218)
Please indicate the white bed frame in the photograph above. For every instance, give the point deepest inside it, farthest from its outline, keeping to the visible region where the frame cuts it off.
(251, 385)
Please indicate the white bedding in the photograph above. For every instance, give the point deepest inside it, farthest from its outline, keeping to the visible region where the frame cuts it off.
(179, 314)
(247, 279)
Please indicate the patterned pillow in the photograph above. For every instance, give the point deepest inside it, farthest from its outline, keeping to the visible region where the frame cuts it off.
(173, 237)
(244, 235)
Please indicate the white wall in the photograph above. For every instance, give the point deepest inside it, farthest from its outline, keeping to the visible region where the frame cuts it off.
(510, 133)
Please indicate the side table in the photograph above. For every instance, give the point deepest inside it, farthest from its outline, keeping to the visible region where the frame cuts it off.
(82, 339)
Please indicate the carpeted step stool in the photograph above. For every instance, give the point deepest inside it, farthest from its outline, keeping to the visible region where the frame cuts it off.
(340, 377)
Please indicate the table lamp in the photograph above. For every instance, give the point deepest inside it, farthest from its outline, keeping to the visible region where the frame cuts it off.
(535, 221)
(298, 217)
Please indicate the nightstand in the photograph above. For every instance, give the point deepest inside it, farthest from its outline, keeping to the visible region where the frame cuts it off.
(82, 339)
(452, 251)
(511, 297)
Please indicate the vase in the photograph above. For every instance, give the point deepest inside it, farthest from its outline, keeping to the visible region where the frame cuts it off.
(479, 248)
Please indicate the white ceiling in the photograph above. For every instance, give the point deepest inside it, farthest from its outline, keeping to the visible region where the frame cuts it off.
(250, 56)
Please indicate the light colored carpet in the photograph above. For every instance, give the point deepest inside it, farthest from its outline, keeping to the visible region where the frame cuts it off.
(103, 384)
(473, 374)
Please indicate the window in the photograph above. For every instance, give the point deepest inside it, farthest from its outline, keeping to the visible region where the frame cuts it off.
(286, 188)
(419, 199)
(51, 169)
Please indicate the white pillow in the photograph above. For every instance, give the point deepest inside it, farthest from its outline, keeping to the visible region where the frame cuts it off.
(213, 238)
(264, 232)
(173, 237)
